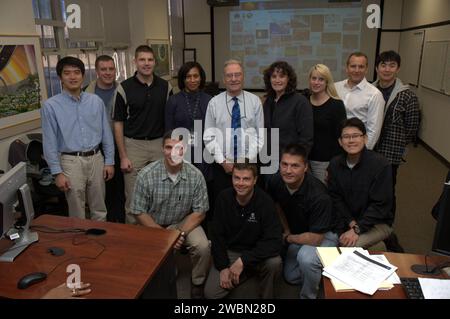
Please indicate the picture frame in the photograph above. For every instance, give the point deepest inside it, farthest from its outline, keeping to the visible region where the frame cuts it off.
(189, 55)
(161, 48)
(22, 84)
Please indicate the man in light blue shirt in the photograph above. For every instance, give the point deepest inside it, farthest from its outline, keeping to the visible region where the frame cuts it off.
(74, 124)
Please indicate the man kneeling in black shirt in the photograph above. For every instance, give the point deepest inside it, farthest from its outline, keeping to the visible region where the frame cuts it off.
(245, 236)
(360, 184)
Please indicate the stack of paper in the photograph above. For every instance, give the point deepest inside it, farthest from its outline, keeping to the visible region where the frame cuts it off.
(356, 269)
(435, 288)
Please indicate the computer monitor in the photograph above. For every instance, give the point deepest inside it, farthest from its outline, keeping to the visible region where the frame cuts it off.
(15, 192)
(441, 241)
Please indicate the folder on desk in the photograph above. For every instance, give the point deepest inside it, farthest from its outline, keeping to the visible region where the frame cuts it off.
(328, 255)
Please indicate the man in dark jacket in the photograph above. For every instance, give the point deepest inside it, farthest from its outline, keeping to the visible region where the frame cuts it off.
(245, 236)
(360, 184)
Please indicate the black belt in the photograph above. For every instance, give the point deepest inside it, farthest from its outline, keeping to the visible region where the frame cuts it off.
(87, 153)
(145, 138)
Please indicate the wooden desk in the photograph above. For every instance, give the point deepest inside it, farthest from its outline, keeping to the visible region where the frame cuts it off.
(403, 262)
(118, 264)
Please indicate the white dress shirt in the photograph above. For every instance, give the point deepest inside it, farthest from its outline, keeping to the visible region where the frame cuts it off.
(218, 135)
(365, 102)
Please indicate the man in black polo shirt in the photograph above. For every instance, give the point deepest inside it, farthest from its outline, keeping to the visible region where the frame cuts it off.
(245, 236)
(360, 184)
(139, 119)
(306, 212)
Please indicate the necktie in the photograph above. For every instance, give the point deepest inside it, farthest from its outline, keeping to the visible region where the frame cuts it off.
(235, 124)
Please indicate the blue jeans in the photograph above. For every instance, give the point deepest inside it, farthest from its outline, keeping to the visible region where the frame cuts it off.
(302, 266)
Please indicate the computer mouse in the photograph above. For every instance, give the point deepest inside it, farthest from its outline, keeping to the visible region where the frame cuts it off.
(30, 279)
(56, 251)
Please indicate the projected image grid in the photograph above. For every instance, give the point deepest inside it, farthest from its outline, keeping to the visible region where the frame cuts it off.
(302, 37)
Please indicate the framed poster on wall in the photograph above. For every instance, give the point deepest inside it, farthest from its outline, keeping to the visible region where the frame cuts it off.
(22, 84)
(189, 55)
(161, 49)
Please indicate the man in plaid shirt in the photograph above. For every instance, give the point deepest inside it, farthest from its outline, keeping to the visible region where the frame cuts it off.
(171, 193)
(401, 119)
(401, 113)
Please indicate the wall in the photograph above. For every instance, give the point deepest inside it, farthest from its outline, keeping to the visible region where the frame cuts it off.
(435, 106)
(392, 12)
(421, 12)
(148, 20)
(9, 22)
(10, 25)
(197, 19)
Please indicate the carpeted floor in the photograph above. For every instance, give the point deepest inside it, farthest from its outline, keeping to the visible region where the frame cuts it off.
(419, 184)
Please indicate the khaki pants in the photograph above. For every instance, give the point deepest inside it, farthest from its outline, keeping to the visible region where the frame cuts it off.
(199, 251)
(140, 153)
(376, 234)
(268, 270)
(85, 174)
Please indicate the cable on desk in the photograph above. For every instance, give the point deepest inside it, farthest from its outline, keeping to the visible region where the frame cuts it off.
(75, 243)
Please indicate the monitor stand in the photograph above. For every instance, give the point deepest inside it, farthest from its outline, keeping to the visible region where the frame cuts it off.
(20, 244)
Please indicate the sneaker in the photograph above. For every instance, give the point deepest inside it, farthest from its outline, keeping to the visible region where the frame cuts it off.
(197, 291)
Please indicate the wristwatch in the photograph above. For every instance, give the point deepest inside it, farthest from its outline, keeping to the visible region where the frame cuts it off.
(183, 234)
(356, 229)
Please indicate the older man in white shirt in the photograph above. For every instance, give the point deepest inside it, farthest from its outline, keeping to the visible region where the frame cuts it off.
(362, 99)
(232, 124)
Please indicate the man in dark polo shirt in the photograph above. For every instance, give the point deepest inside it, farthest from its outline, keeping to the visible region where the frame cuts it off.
(306, 212)
(139, 119)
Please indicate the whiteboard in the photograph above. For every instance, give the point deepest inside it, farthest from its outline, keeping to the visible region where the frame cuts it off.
(410, 50)
(434, 65)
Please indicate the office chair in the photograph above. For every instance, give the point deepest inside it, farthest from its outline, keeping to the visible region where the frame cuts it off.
(47, 198)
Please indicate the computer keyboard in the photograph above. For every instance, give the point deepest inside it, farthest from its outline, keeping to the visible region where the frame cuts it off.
(412, 288)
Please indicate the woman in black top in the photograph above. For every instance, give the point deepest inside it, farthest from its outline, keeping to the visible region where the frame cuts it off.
(286, 109)
(190, 105)
(329, 113)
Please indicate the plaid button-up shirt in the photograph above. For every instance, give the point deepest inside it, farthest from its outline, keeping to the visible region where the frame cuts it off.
(167, 201)
(401, 123)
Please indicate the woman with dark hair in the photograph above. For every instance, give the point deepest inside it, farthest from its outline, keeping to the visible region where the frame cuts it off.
(286, 109)
(190, 105)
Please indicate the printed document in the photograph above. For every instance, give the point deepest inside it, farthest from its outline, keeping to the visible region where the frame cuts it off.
(360, 271)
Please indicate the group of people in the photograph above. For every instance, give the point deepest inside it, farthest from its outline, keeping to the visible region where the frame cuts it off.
(337, 155)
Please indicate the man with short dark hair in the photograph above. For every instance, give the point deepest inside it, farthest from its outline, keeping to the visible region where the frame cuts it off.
(105, 86)
(170, 193)
(360, 184)
(74, 124)
(401, 115)
(139, 119)
(362, 99)
(245, 236)
(306, 212)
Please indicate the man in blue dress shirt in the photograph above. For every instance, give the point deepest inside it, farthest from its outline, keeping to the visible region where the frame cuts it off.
(74, 125)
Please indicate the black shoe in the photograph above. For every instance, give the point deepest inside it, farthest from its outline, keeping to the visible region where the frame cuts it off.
(184, 250)
(197, 291)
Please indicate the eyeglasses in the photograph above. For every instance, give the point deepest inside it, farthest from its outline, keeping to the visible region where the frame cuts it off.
(349, 137)
(229, 76)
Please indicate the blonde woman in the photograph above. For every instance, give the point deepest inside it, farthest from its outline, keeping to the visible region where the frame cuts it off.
(328, 114)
